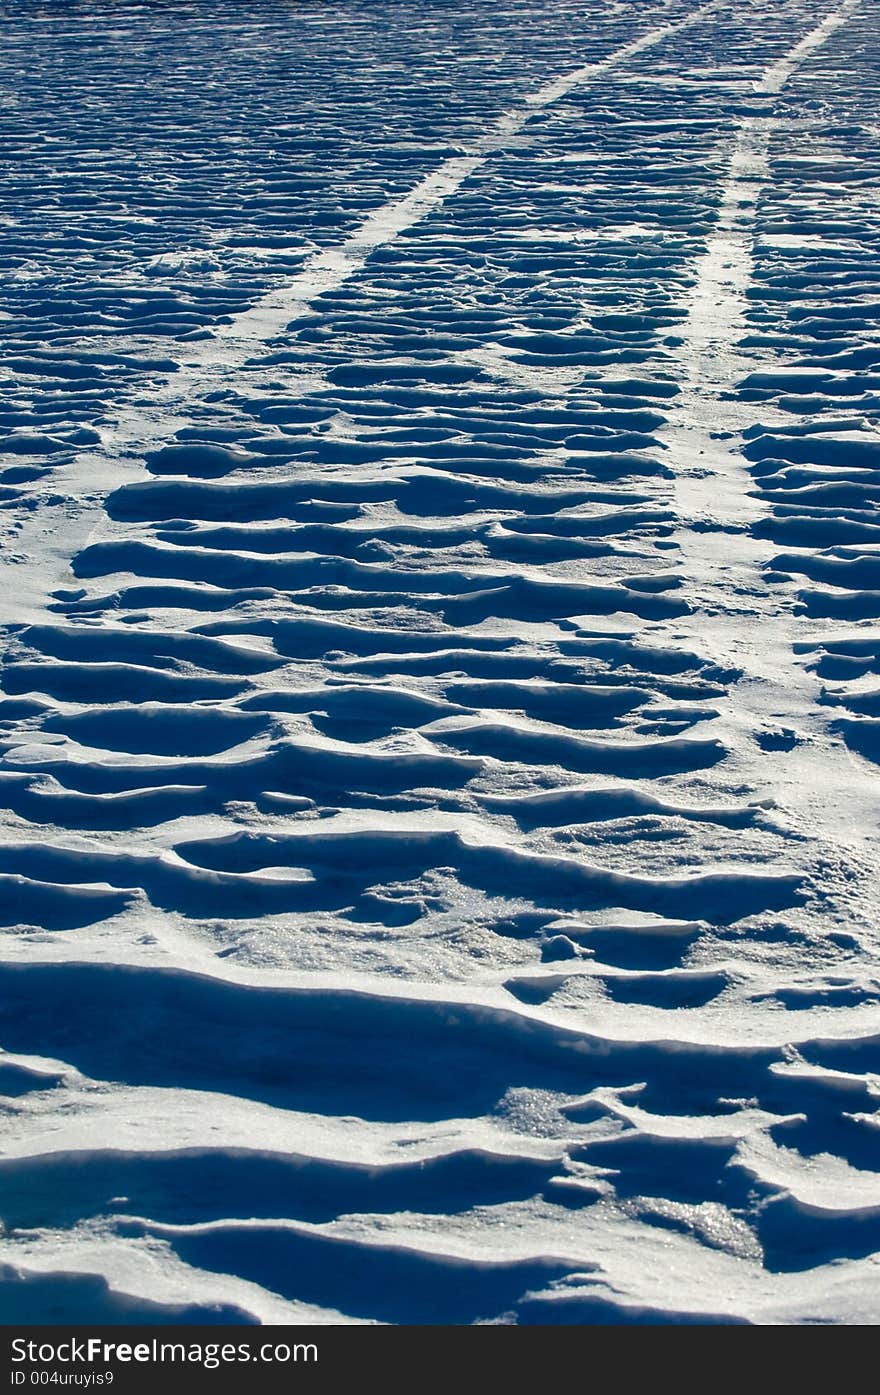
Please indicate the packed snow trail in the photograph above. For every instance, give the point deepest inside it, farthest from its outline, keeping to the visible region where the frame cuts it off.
(419, 905)
(821, 785)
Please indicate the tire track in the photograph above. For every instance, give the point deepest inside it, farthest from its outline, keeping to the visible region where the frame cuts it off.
(736, 619)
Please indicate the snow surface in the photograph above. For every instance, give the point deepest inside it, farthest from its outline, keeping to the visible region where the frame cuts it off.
(441, 714)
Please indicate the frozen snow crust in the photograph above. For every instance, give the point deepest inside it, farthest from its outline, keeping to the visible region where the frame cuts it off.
(439, 473)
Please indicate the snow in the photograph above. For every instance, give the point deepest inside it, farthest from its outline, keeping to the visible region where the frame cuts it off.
(439, 698)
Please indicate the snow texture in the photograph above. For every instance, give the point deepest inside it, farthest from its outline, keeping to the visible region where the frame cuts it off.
(439, 482)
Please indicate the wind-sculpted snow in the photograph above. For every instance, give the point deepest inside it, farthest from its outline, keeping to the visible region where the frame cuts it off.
(440, 700)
